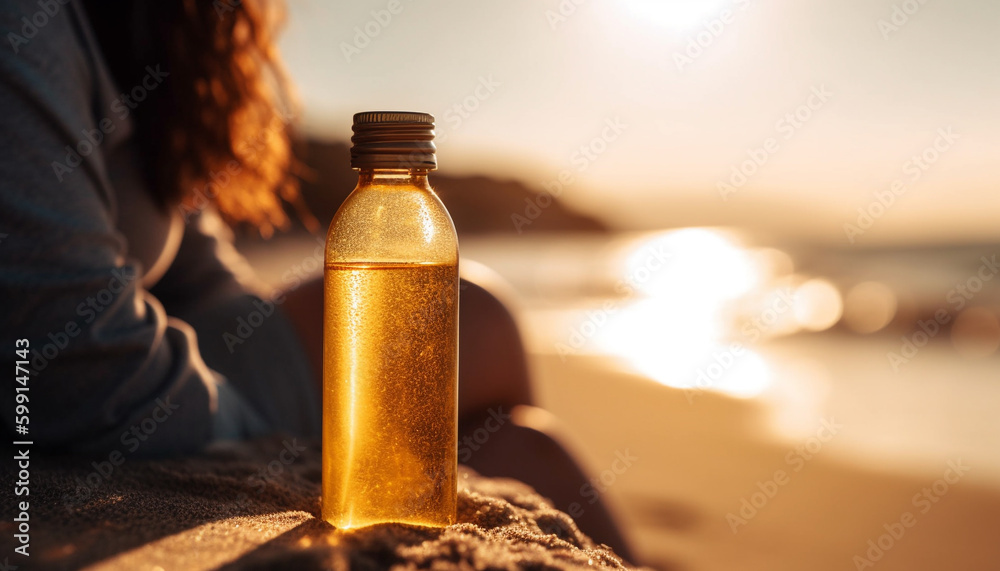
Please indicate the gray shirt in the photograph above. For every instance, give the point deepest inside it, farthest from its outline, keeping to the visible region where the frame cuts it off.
(125, 306)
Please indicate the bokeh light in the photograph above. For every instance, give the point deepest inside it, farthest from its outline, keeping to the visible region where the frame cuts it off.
(976, 332)
(818, 305)
(869, 307)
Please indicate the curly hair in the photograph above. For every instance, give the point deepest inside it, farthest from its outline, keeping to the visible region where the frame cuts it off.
(218, 131)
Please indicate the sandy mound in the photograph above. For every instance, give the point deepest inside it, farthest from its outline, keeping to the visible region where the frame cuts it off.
(254, 506)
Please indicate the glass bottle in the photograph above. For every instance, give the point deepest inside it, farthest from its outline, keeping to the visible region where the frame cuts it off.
(390, 340)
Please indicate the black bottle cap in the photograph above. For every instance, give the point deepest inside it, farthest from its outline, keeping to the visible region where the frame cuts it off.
(393, 140)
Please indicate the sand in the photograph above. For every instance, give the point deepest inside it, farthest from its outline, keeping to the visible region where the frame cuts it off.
(249, 506)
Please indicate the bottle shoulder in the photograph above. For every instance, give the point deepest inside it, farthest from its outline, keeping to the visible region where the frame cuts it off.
(392, 224)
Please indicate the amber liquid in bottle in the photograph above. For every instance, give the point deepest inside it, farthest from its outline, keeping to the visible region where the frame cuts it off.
(390, 370)
(390, 388)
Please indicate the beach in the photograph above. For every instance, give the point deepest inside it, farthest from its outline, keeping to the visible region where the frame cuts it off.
(855, 443)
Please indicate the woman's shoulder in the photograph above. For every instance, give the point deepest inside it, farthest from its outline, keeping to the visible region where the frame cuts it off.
(46, 32)
(52, 71)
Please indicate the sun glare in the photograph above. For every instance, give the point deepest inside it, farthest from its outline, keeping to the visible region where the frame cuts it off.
(673, 330)
(677, 15)
(694, 264)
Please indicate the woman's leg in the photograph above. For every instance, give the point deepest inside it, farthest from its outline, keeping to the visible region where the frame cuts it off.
(492, 365)
(493, 370)
(493, 384)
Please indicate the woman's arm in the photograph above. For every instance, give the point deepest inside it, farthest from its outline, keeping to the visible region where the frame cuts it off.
(111, 371)
(242, 332)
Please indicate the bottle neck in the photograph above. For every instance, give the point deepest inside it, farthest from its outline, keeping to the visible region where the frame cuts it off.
(394, 178)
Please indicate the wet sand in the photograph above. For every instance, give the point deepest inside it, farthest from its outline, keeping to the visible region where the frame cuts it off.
(698, 462)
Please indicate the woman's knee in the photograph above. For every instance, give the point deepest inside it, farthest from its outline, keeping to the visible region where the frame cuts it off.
(492, 364)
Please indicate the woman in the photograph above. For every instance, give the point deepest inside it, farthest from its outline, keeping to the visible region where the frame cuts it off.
(124, 119)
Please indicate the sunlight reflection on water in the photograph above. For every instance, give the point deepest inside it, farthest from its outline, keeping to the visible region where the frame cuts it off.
(675, 325)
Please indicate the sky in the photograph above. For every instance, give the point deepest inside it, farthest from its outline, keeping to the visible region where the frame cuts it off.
(785, 115)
